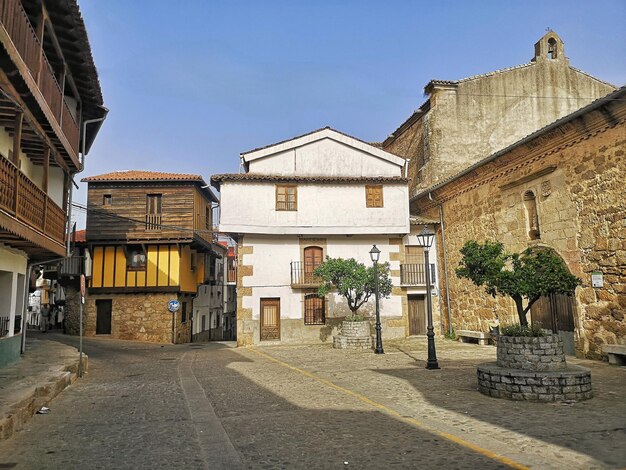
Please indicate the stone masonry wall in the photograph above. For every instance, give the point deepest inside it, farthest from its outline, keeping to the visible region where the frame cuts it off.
(529, 353)
(579, 189)
(139, 317)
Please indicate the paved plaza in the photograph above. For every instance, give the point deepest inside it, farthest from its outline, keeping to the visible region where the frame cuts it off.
(210, 405)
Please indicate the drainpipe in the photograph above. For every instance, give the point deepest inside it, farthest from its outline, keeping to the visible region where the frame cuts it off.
(445, 260)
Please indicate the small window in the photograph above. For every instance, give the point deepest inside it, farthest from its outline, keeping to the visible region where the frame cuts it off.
(136, 259)
(374, 195)
(207, 218)
(153, 212)
(286, 198)
(183, 315)
(532, 216)
(107, 199)
(314, 310)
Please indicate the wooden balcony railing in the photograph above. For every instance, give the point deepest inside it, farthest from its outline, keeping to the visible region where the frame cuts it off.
(21, 198)
(72, 266)
(302, 275)
(232, 275)
(15, 21)
(153, 222)
(414, 274)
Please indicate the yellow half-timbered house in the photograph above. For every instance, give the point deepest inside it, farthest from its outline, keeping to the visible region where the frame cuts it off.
(150, 238)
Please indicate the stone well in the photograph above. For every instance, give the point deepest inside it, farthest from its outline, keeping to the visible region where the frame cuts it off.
(534, 369)
(354, 335)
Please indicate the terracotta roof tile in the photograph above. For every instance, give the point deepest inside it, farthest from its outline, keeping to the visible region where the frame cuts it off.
(80, 236)
(140, 175)
(217, 179)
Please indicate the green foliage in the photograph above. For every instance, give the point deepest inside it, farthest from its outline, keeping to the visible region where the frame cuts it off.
(526, 276)
(450, 335)
(533, 330)
(353, 280)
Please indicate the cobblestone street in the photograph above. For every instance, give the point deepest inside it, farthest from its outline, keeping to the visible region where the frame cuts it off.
(212, 406)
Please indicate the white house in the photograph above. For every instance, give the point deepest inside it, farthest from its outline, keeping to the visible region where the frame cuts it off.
(298, 201)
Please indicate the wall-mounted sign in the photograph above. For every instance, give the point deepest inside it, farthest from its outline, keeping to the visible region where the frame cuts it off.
(597, 280)
(173, 306)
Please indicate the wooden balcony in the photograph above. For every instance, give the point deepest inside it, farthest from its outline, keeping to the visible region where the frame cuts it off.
(232, 276)
(414, 274)
(24, 202)
(302, 276)
(20, 40)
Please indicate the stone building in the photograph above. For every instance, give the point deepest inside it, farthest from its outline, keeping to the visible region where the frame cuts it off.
(561, 187)
(464, 120)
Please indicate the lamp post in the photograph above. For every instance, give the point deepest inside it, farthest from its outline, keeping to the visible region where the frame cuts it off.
(375, 255)
(426, 239)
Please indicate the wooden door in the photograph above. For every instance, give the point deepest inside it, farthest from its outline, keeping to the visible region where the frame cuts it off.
(313, 257)
(556, 313)
(104, 309)
(270, 319)
(417, 314)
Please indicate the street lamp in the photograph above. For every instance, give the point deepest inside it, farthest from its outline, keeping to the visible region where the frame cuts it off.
(426, 239)
(375, 255)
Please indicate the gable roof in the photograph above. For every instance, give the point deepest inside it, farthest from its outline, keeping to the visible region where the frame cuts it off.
(317, 135)
(618, 95)
(141, 175)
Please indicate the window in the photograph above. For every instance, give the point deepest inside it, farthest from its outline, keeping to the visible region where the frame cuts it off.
(207, 217)
(106, 200)
(530, 203)
(314, 310)
(135, 259)
(286, 198)
(183, 315)
(374, 195)
(153, 212)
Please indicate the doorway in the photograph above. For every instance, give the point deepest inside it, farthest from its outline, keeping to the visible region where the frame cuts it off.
(556, 312)
(270, 319)
(104, 308)
(417, 314)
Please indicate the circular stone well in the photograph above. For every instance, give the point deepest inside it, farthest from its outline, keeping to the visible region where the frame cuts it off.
(534, 369)
(354, 335)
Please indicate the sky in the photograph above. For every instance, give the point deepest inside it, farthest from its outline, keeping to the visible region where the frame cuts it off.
(192, 84)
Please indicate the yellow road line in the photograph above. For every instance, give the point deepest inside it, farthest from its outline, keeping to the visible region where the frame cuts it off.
(394, 413)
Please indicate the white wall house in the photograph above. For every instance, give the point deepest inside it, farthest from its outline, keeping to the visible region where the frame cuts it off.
(299, 201)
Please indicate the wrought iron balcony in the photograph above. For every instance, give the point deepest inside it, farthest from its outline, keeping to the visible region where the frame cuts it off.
(414, 274)
(302, 275)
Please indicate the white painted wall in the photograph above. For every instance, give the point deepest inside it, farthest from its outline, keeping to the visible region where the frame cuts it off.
(13, 265)
(324, 157)
(250, 207)
(271, 277)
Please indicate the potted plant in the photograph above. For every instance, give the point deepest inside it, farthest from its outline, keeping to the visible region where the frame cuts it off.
(525, 277)
(355, 282)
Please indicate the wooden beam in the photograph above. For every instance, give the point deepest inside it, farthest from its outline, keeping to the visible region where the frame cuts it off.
(6, 85)
(46, 170)
(17, 138)
(41, 25)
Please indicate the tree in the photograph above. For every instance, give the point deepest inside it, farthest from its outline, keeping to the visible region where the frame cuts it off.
(523, 277)
(353, 280)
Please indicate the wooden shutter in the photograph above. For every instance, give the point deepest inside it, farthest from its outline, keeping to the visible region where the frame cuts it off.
(374, 195)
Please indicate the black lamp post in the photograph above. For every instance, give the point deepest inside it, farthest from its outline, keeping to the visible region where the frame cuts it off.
(426, 239)
(375, 255)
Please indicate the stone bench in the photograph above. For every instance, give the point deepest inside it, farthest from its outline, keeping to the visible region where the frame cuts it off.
(616, 353)
(482, 337)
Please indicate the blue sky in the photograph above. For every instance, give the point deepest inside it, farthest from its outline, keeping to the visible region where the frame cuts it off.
(191, 84)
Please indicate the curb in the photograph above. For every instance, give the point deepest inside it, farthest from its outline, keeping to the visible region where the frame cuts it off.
(37, 396)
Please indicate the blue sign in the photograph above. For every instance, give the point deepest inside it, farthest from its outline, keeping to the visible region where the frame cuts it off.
(173, 306)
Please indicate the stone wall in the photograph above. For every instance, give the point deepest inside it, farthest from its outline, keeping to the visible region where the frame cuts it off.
(577, 174)
(139, 317)
(529, 353)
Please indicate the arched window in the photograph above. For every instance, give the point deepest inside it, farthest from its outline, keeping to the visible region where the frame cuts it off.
(530, 203)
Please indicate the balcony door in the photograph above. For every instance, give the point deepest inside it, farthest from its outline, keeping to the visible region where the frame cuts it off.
(270, 319)
(313, 257)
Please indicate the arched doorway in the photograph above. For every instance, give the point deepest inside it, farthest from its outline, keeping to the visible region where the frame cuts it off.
(556, 313)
